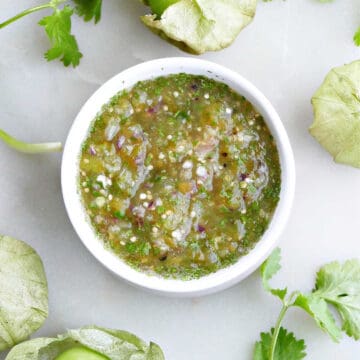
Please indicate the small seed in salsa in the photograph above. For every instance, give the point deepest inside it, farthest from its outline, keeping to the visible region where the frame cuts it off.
(179, 176)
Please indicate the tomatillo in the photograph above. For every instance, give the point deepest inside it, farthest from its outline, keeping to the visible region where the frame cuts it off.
(80, 353)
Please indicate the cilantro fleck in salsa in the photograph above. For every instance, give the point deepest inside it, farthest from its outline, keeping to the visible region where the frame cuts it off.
(179, 176)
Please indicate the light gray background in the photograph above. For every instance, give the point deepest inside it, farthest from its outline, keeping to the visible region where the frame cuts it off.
(286, 52)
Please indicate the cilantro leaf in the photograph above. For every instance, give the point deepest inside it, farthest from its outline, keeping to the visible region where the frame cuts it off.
(280, 293)
(89, 9)
(287, 346)
(58, 29)
(339, 285)
(268, 269)
(318, 309)
(357, 37)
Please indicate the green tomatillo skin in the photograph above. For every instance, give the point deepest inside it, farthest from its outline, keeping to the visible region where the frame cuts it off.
(159, 6)
(80, 353)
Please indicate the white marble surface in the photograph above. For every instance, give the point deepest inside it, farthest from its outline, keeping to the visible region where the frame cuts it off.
(286, 52)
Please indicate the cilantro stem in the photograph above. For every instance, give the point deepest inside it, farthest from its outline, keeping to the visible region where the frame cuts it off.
(24, 13)
(29, 148)
(275, 335)
(286, 305)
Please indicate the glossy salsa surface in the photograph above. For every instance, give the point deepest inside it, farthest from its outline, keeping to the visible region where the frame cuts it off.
(179, 176)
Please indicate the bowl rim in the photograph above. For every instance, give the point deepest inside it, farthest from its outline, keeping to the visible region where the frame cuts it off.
(225, 277)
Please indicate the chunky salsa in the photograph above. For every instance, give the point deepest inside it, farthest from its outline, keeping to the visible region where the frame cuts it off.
(179, 176)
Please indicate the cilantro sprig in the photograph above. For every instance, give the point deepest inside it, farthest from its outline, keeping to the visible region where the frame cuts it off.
(337, 289)
(57, 26)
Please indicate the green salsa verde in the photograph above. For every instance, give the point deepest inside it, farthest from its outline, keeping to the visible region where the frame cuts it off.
(179, 176)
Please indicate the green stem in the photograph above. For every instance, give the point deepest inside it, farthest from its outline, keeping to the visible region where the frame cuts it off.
(286, 305)
(24, 13)
(29, 148)
(277, 330)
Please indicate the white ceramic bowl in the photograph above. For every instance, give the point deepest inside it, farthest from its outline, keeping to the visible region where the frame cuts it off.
(223, 278)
